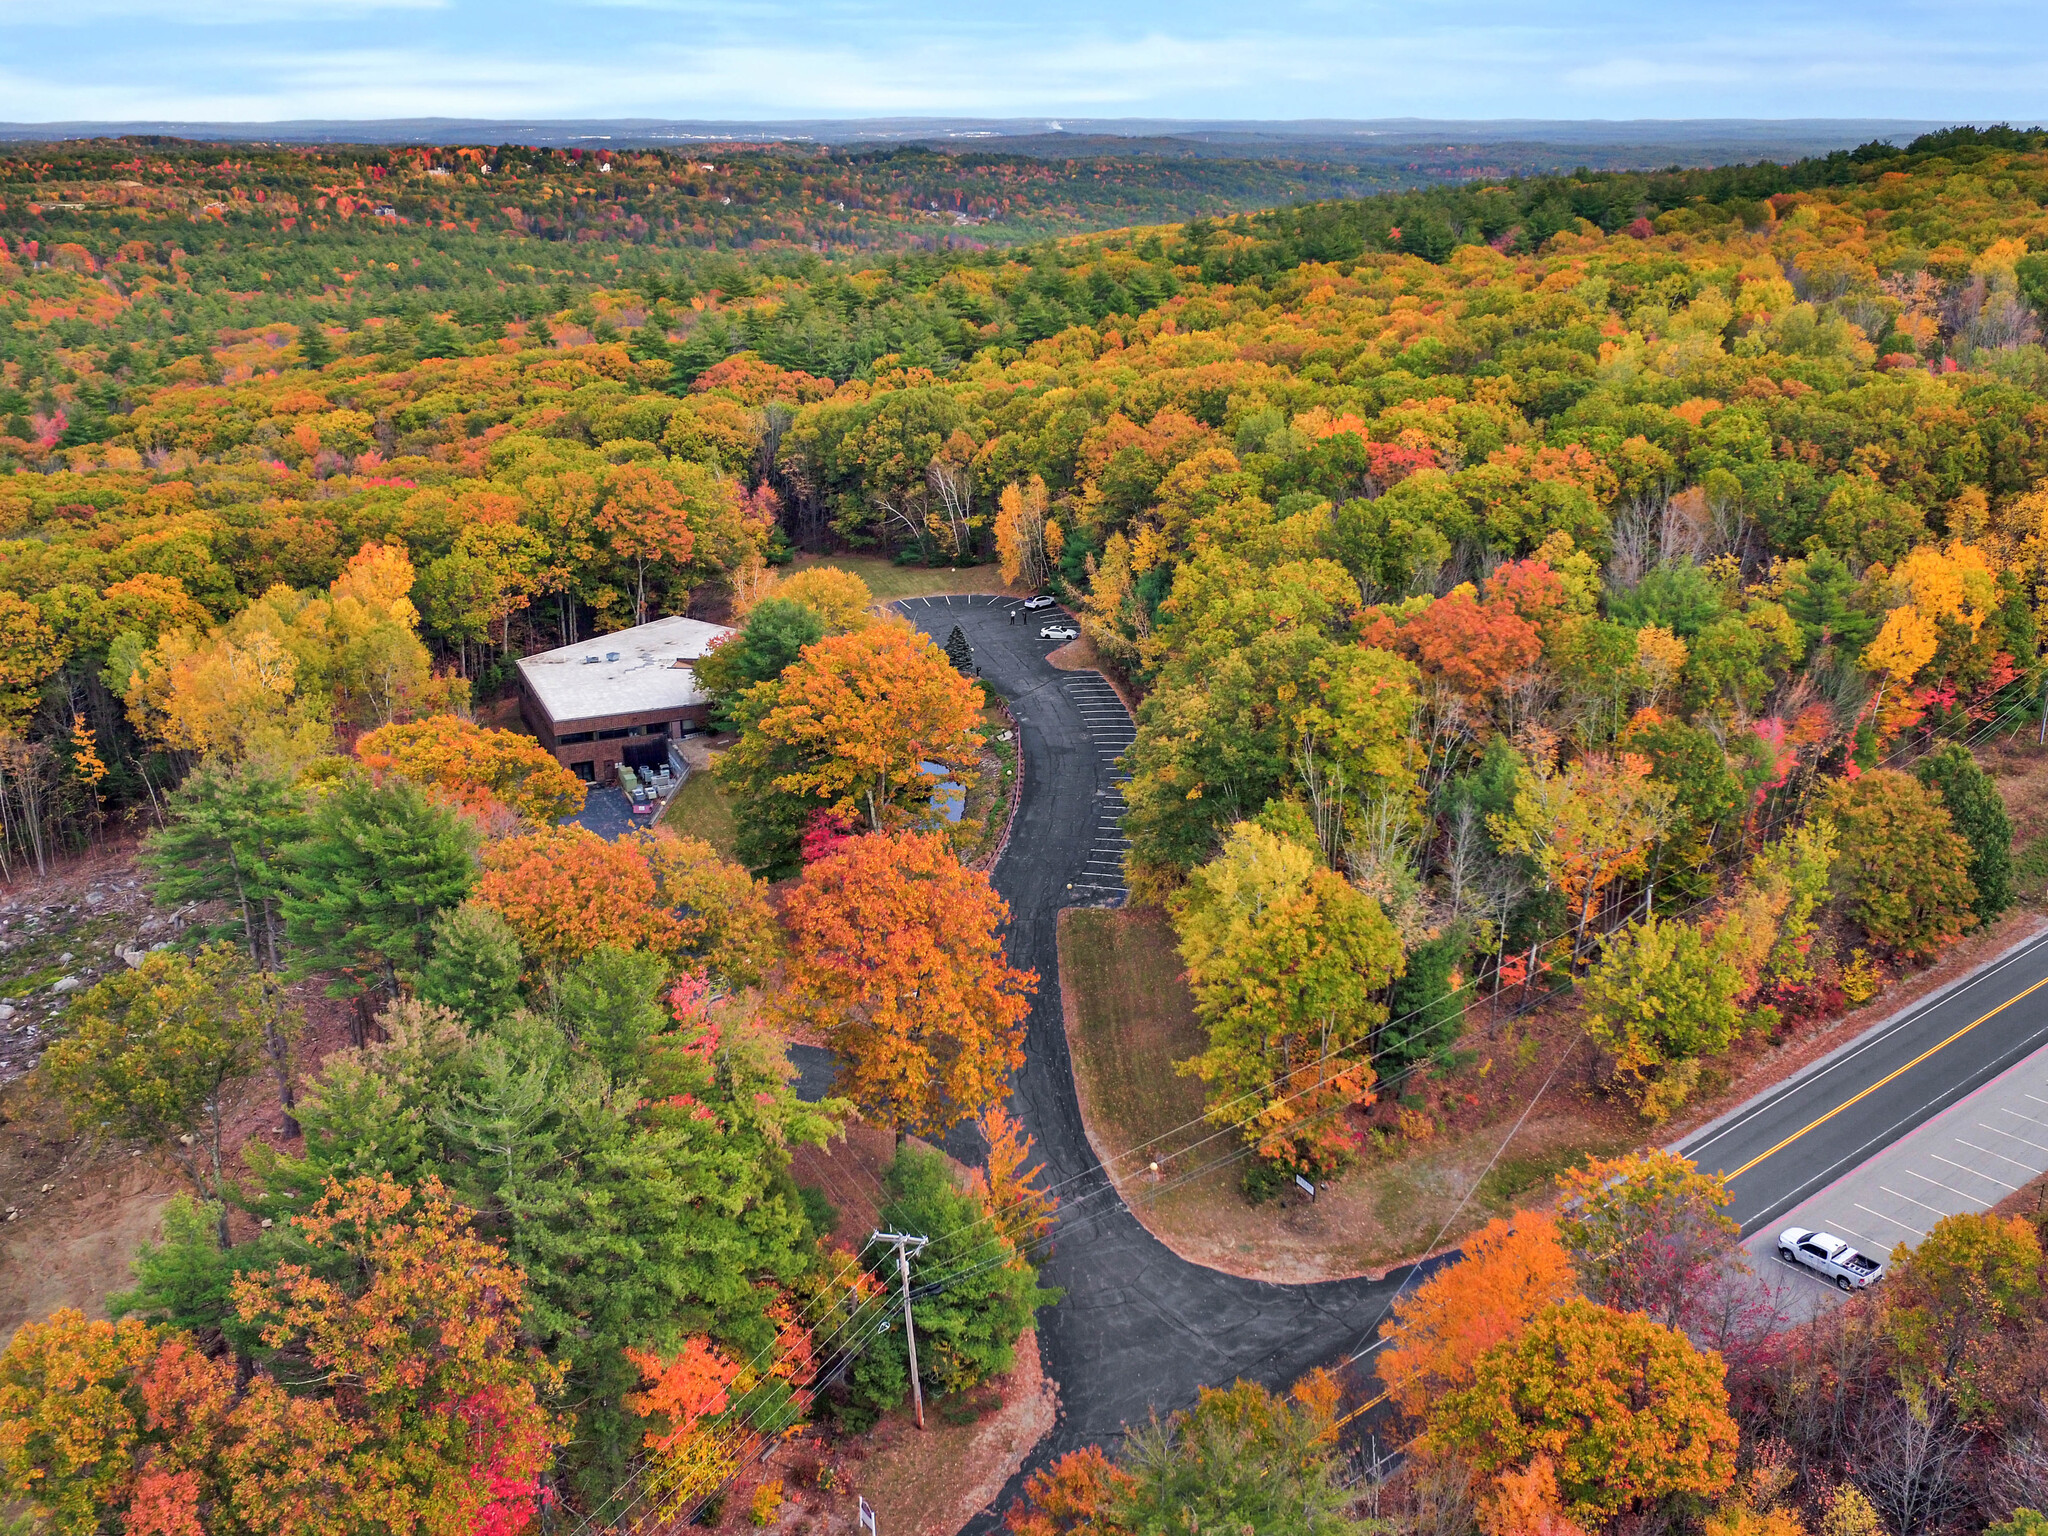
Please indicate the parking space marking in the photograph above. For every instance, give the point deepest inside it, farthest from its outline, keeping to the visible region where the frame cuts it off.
(1964, 1168)
(2018, 1116)
(2031, 1171)
(1880, 1215)
(1999, 1130)
(1937, 1210)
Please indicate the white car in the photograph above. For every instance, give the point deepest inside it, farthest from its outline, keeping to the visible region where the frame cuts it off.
(1831, 1258)
(1033, 604)
(1059, 632)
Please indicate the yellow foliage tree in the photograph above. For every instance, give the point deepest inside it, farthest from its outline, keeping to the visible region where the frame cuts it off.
(1588, 826)
(1020, 533)
(838, 597)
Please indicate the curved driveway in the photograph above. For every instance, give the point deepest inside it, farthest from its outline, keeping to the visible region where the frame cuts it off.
(1139, 1327)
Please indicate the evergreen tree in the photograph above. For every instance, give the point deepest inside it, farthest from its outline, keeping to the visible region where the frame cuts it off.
(315, 350)
(960, 653)
(643, 1206)
(184, 1280)
(973, 1292)
(775, 633)
(609, 1001)
(1426, 1012)
(225, 842)
(378, 864)
(1978, 812)
(1822, 601)
(473, 971)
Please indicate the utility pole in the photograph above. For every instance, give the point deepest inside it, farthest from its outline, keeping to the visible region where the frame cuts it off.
(905, 1247)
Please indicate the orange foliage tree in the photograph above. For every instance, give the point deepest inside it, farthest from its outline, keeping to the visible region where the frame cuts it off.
(1511, 1270)
(441, 1425)
(1472, 646)
(1626, 1411)
(565, 891)
(430, 1420)
(1021, 1211)
(476, 765)
(1069, 1498)
(895, 956)
(723, 923)
(853, 718)
(1587, 827)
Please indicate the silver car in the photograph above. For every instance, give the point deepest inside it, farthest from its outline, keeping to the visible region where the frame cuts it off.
(1033, 604)
(1829, 1257)
(1059, 632)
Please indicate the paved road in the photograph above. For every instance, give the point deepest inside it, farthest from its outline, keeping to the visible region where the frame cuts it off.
(1788, 1146)
(1966, 1158)
(1139, 1327)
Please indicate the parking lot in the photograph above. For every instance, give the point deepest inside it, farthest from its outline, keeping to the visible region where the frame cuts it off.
(1967, 1158)
(1110, 733)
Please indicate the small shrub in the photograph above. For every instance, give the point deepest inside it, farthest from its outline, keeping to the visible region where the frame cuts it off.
(1861, 980)
(767, 1503)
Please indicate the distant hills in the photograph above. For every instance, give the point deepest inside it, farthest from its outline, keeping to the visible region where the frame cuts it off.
(1428, 146)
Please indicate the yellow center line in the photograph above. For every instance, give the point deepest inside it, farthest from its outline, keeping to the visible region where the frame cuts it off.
(1901, 1072)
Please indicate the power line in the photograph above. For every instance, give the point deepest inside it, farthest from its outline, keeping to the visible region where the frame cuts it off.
(1065, 1226)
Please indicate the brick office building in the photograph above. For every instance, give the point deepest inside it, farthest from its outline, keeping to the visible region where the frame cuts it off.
(619, 698)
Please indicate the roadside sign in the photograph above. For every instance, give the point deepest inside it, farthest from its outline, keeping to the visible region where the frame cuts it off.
(867, 1518)
(1305, 1187)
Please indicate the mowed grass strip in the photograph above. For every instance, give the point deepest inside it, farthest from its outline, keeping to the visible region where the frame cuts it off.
(890, 582)
(1129, 1019)
(700, 809)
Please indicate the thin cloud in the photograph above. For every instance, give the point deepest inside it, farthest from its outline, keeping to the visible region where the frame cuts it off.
(254, 60)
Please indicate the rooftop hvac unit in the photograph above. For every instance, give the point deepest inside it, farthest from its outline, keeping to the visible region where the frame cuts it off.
(590, 661)
(611, 655)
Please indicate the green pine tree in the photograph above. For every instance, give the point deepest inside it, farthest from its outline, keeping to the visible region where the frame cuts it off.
(1822, 601)
(610, 1001)
(378, 863)
(225, 842)
(1978, 811)
(959, 652)
(474, 969)
(974, 1293)
(315, 350)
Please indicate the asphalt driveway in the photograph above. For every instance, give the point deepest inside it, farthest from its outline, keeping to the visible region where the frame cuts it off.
(1139, 1328)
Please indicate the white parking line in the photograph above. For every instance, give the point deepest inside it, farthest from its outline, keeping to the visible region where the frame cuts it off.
(2018, 1116)
(1965, 1168)
(2031, 1171)
(1938, 1211)
(1999, 1130)
(1880, 1215)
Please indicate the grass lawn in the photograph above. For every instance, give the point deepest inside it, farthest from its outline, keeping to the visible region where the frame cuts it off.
(1132, 1020)
(1130, 1017)
(889, 581)
(700, 809)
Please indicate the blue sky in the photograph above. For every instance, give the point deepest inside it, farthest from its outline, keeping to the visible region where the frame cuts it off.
(252, 60)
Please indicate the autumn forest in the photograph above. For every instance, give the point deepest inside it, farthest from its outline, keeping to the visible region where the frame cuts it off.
(1590, 597)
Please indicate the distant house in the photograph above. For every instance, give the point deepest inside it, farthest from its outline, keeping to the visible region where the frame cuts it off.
(619, 698)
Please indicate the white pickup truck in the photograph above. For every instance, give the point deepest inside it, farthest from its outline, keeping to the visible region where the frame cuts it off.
(1831, 1258)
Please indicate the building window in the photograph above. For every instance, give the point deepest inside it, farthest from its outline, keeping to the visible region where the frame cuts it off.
(584, 771)
(613, 735)
(574, 736)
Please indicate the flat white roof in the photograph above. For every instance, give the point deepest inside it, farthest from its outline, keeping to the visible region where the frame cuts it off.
(651, 675)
